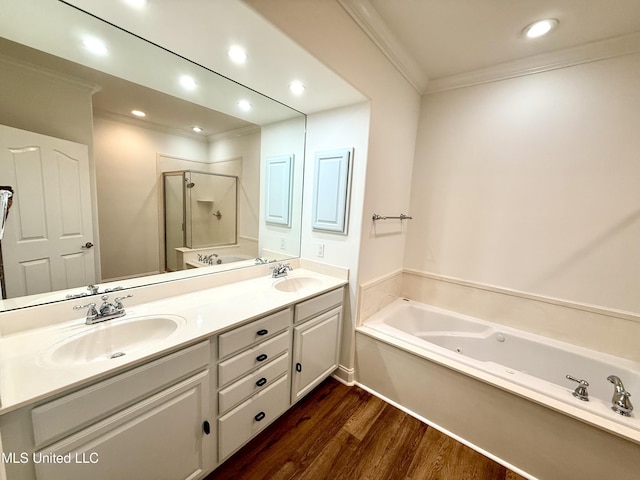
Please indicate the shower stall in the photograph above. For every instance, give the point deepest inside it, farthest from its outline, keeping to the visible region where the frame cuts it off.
(200, 210)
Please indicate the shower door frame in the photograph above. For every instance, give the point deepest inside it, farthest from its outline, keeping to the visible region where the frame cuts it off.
(186, 211)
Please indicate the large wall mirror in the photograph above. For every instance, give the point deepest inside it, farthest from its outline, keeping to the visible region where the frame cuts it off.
(88, 175)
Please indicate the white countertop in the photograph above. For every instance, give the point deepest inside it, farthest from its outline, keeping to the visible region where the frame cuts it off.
(26, 375)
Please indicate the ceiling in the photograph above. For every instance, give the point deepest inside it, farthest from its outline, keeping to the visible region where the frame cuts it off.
(114, 97)
(444, 38)
(138, 74)
(204, 30)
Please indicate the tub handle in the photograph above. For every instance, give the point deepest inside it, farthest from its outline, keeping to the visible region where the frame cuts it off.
(580, 392)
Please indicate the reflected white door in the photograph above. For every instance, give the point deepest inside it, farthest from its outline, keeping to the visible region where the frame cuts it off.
(48, 237)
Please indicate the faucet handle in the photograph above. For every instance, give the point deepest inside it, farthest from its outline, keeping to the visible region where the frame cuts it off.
(108, 290)
(118, 300)
(581, 392)
(92, 312)
(88, 305)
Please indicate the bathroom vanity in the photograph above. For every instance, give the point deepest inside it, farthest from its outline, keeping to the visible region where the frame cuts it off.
(175, 409)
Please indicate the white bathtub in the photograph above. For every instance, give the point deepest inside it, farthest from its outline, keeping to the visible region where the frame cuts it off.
(512, 359)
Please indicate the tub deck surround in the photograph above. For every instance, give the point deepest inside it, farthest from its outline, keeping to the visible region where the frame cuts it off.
(26, 375)
(403, 324)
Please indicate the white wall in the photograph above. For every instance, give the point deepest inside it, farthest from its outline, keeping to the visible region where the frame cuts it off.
(533, 184)
(282, 138)
(326, 31)
(341, 128)
(127, 181)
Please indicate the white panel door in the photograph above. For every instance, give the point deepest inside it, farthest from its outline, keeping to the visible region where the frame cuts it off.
(50, 224)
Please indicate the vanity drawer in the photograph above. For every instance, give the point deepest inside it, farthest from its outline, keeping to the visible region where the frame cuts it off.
(257, 381)
(319, 304)
(256, 331)
(243, 422)
(256, 356)
(84, 407)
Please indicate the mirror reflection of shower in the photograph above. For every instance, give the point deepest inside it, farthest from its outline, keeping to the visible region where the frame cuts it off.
(200, 211)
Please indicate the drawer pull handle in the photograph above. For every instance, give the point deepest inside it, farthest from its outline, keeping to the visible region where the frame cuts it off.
(298, 367)
(261, 382)
(262, 332)
(262, 357)
(259, 416)
(206, 427)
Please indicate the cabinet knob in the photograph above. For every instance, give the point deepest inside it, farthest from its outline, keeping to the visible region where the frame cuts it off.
(298, 367)
(262, 332)
(262, 357)
(261, 382)
(206, 427)
(260, 416)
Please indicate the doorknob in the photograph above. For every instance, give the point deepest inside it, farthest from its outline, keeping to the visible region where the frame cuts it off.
(87, 245)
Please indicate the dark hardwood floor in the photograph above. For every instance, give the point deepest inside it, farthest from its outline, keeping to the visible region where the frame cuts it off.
(340, 432)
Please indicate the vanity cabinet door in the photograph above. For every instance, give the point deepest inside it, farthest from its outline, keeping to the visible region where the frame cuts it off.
(161, 437)
(315, 351)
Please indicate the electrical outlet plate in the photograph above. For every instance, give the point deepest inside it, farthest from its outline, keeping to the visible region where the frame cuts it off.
(320, 252)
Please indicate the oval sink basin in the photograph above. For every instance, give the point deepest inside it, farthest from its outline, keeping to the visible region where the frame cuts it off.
(296, 284)
(106, 341)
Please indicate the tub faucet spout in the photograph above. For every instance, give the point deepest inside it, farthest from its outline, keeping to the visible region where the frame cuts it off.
(620, 401)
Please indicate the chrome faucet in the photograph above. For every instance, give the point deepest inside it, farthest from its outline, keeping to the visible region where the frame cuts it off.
(580, 392)
(620, 400)
(107, 311)
(280, 270)
(208, 259)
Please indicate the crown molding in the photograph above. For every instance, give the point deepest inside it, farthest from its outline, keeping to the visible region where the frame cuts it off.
(238, 132)
(50, 75)
(569, 57)
(116, 117)
(370, 21)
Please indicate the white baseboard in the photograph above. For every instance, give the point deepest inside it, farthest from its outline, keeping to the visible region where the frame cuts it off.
(345, 375)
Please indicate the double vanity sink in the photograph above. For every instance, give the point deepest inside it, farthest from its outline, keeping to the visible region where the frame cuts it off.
(172, 388)
(115, 338)
(41, 362)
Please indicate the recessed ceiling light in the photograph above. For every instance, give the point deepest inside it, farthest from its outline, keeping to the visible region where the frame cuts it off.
(188, 82)
(244, 105)
(197, 129)
(138, 113)
(95, 45)
(237, 54)
(137, 3)
(296, 87)
(540, 28)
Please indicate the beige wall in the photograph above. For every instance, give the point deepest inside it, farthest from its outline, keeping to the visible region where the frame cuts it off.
(128, 193)
(247, 149)
(42, 102)
(533, 184)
